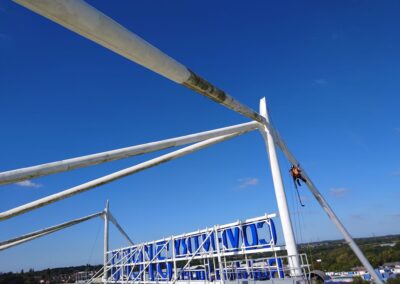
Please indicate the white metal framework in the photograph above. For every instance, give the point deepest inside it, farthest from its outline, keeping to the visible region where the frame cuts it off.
(85, 20)
(243, 128)
(34, 235)
(243, 250)
(105, 214)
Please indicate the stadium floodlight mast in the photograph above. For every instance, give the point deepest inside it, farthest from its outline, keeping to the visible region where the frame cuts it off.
(87, 21)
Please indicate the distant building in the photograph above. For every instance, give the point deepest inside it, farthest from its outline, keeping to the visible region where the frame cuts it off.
(394, 267)
(387, 245)
(392, 264)
(83, 276)
(387, 271)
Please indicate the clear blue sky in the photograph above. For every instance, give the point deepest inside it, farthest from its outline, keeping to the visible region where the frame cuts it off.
(329, 70)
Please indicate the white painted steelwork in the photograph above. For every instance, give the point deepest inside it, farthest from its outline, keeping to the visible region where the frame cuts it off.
(106, 241)
(85, 20)
(114, 176)
(118, 226)
(89, 22)
(219, 227)
(284, 214)
(46, 231)
(34, 235)
(108, 156)
(331, 214)
(155, 262)
(49, 230)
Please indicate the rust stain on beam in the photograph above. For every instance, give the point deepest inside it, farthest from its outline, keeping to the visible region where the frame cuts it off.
(205, 88)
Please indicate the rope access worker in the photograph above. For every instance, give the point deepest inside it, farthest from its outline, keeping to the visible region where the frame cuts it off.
(295, 172)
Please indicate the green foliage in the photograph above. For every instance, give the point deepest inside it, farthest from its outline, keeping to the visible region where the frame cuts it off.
(337, 256)
(393, 281)
(51, 275)
(359, 280)
(334, 255)
(11, 278)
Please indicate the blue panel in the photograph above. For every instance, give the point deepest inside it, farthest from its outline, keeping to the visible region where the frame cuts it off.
(254, 235)
(279, 267)
(233, 238)
(168, 273)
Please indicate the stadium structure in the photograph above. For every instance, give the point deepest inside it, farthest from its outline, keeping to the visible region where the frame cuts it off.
(241, 252)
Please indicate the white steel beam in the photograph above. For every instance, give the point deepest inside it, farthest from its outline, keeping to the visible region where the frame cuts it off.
(106, 243)
(178, 274)
(151, 260)
(331, 214)
(219, 227)
(118, 226)
(108, 156)
(21, 241)
(80, 17)
(34, 235)
(284, 214)
(114, 176)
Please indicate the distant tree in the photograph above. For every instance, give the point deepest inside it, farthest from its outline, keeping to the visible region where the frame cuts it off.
(11, 278)
(393, 280)
(359, 280)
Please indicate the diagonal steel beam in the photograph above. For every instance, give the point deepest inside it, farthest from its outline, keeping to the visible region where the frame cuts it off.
(114, 176)
(322, 201)
(113, 155)
(118, 226)
(34, 235)
(80, 17)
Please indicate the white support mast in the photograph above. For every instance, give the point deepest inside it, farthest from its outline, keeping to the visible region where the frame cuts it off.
(287, 227)
(106, 242)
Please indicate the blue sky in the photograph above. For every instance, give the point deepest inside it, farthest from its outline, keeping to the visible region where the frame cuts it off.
(330, 73)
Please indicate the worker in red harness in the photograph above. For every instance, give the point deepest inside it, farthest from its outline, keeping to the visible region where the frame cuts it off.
(295, 172)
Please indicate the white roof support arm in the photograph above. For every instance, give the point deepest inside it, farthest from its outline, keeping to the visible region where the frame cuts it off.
(99, 158)
(114, 176)
(80, 17)
(34, 235)
(118, 226)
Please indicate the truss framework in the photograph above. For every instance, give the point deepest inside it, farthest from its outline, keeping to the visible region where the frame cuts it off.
(221, 253)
